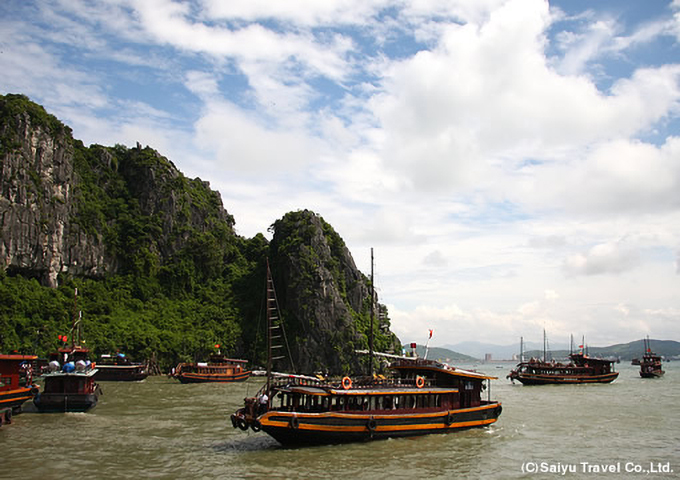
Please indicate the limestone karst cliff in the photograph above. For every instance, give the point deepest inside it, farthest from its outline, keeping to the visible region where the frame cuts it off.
(155, 253)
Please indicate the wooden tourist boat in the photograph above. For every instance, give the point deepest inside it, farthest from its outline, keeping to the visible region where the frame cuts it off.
(425, 397)
(218, 369)
(422, 397)
(16, 384)
(581, 369)
(118, 368)
(650, 365)
(69, 383)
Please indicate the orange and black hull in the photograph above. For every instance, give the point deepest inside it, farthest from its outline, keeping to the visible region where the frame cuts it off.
(341, 427)
(546, 379)
(14, 399)
(190, 377)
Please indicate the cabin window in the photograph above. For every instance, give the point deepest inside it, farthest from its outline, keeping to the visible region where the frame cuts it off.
(4, 381)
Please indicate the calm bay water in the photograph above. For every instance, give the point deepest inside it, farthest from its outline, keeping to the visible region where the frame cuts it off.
(162, 429)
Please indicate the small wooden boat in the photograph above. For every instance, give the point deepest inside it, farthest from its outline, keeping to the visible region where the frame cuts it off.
(16, 384)
(119, 368)
(69, 380)
(650, 365)
(69, 383)
(219, 368)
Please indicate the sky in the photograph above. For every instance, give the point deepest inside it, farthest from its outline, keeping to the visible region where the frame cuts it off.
(514, 164)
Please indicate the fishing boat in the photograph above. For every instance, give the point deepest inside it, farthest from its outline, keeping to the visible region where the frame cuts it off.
(16, 384)
(69, 384)
(581, 369)
(421, 397)
(650, 365)
(119, 368)
(218, 368)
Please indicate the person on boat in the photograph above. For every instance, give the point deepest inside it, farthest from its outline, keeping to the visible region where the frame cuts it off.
(263, 403)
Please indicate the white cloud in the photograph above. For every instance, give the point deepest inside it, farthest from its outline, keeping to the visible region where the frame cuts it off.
(461, 135)
(608, 258)
(243, 144)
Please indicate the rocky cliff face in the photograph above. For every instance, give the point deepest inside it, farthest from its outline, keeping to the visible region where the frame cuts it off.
(36, 199)
(326, 299)
(66, 209)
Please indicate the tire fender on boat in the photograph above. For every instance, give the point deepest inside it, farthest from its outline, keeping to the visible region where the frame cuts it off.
(371, 424)
(449, 418)
(420, 382)
(294, 422)
(241, 423)
(256, 426)
(233, 420)
(346, 383)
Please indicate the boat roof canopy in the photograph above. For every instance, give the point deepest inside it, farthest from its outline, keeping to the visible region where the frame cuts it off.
(434, 366)
(325, 392)
(17, 357)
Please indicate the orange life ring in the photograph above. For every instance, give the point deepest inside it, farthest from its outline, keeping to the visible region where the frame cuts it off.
(346, 383)
(420, 382)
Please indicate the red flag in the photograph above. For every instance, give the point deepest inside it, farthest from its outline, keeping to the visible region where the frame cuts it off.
(430, 333)
(580, 346)
(217, 345)
(60, 337)
(65, 338)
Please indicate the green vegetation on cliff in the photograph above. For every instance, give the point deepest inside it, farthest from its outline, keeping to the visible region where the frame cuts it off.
(154, 256)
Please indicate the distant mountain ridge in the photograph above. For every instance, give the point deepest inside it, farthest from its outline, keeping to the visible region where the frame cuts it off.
(624, 351)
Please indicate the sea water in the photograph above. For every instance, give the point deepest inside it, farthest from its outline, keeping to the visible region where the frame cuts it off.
(160, 428)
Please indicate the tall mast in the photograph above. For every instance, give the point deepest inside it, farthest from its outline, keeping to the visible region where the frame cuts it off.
(370, 335)
(545, 347)
(269, 328)
(521, 349)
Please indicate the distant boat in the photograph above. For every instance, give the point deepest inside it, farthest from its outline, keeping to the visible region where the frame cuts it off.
(650, 365)
(69, 380)
(581, 369)
(218, 369)
(17, 384)
(423, 397)
(118, 368)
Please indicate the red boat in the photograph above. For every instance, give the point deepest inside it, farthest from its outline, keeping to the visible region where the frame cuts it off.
(16, 384)
(650, 365)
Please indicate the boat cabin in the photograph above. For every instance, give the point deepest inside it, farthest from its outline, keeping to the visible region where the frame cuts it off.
(16, 371)
(320, 399)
